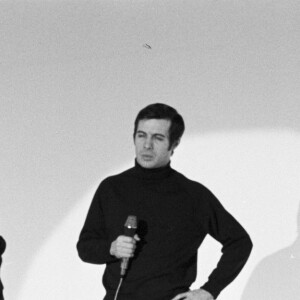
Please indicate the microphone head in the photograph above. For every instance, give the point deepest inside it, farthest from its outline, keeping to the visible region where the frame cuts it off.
(130, 226)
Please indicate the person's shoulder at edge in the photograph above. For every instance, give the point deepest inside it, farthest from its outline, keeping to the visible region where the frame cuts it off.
(2, 245)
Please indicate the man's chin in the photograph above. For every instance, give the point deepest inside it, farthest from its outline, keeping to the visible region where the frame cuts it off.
(147, 164)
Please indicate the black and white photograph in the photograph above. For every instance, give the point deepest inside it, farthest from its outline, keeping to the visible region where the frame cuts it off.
(150, 150)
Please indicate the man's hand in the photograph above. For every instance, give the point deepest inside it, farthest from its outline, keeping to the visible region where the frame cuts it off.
(195, 295)
(124, 246)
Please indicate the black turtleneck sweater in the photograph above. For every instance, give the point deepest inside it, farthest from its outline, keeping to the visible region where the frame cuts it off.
(174, 214)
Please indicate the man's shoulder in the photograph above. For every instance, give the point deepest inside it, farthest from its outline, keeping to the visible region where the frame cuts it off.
(188, 182)
(197, 191)
(115, 178)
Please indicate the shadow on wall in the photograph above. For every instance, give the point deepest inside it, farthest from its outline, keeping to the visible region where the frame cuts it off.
(277, 276)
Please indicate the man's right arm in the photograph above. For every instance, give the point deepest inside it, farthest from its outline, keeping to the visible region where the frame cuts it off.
(94, 245)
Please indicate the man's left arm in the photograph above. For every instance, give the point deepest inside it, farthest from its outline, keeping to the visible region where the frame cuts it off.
(236, 246)
(213, 219)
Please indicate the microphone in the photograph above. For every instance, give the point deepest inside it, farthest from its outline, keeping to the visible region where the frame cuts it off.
(129, 230)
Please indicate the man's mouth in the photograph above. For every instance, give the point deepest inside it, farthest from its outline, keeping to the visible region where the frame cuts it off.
(147, 156)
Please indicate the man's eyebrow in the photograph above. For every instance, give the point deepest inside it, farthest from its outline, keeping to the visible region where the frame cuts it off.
(140, 131)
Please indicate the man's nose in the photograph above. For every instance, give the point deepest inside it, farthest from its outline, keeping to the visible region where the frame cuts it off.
(148, 144)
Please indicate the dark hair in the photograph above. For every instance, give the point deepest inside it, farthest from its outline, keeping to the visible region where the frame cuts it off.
(163, 111)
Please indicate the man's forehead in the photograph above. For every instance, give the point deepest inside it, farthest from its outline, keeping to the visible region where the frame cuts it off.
(154, 126)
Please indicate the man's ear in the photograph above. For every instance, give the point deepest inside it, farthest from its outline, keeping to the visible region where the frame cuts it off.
(134, 135)
(175, 145)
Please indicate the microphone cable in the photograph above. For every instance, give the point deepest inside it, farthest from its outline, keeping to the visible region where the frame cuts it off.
(118, 289)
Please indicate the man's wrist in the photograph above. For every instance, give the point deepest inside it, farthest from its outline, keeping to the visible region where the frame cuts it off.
(209, 289)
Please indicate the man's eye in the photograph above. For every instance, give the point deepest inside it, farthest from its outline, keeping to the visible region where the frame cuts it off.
(159, 138)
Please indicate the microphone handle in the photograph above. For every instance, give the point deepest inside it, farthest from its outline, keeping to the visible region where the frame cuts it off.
(129, 230)
(124, 265)
(125, 260)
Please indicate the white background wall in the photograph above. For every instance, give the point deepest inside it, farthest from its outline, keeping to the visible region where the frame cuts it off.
(73, 77)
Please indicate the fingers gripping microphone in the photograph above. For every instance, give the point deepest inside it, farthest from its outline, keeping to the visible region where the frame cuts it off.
(129, 230)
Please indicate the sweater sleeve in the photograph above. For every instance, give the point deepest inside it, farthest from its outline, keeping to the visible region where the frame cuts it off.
(236, 245)
(93, 245)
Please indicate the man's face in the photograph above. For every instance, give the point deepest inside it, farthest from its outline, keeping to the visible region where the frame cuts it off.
(152, 143)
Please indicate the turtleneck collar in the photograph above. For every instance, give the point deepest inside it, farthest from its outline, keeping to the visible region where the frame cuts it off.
(154, 173)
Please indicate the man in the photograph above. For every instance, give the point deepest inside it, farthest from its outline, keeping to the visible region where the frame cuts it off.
(174, 214)
(2, 249)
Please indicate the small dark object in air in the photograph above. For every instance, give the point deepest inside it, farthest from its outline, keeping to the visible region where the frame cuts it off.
(147, 46)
